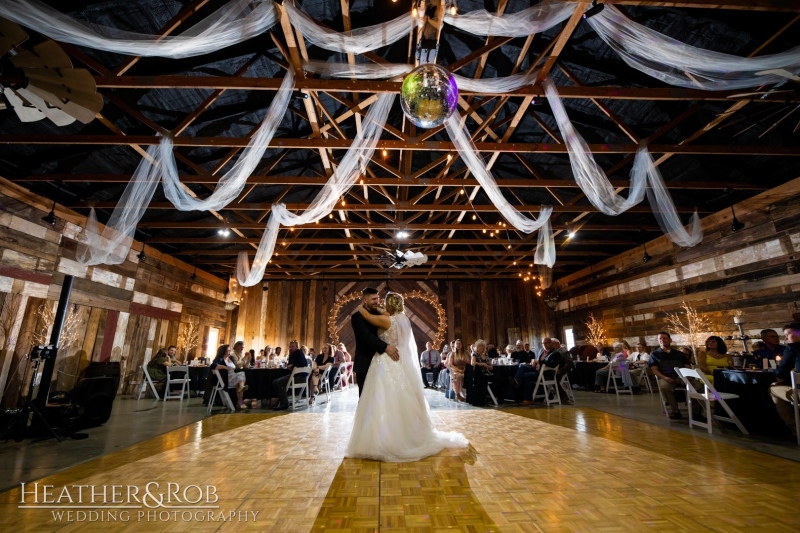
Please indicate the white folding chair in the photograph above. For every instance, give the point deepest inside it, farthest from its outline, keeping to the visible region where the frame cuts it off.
(549, 386)
(325, 383)
(565, 384)
(339, 378)
(620, 377)
(350, 376)
(643, 377)
(147, 382)
(219, 389)
(184, 382)
(297, 389)
(796, 398)
(708, 395)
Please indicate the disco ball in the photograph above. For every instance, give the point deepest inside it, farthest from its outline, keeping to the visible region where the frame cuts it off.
(429, 95)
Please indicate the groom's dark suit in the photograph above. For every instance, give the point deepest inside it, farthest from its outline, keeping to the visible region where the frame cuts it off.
(367, 344)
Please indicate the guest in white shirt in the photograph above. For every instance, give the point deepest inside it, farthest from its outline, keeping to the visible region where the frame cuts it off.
(431, 363)
(640, 356)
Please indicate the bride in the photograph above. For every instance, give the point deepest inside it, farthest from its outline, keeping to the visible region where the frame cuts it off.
(393, 421)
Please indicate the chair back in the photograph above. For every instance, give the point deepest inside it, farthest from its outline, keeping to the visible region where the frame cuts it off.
(796, 397)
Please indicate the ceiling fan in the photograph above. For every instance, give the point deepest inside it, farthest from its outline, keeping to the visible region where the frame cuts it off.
(39, 82)
(400, 259)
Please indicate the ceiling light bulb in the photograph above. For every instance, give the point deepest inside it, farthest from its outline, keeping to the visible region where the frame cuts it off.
(385, 153)
(509, 246)
(453, 9)
(330, 216)
(474, 217)
(514, 263)
(484, 231)
(462, 191)
(449, 157)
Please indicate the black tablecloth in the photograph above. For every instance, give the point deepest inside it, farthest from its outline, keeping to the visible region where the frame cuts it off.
(198, 376)
(582, 374)
(754, 407)
(475, 384)
(259, 381)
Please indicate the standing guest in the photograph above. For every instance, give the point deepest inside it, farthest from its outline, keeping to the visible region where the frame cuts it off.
(457, 363)
(663, 362)
(482, 369)
(521, 354)
(715, 356)
(781, 391)
(430, 362)
(224, 362)
(296, 359)
(772, 347)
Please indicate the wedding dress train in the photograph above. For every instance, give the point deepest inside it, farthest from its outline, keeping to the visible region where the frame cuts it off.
(393, 420)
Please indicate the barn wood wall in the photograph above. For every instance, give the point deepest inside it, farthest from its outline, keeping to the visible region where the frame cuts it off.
(300, 309)
(123, 313)
(755, 270)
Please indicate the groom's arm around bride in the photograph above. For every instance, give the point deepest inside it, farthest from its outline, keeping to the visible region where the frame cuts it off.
(368, 343)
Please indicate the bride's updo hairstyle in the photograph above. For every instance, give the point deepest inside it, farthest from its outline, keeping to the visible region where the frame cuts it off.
(394, 303)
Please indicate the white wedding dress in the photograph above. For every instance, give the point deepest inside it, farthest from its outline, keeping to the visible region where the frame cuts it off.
(393, 421)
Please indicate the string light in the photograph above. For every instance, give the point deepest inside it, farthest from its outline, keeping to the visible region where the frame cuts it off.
(418, 295)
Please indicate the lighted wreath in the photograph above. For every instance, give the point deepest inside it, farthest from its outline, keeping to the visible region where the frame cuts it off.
(418, 295)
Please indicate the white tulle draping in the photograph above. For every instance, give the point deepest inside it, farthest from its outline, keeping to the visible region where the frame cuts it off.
(344, 177)
(111, 244)
(360, 71)
(545, 276)
(236, 21)
(535, 19)
(233, 181)
(545, 252)
(357, 41)
(372, 71)
(645, 177)
(664, 208)
(590, 177)
(679, 64)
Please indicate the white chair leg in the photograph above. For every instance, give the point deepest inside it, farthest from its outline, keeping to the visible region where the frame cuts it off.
(735, 419)
(708, 415)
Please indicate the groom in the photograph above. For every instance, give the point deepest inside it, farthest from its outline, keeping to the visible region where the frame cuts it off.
(367, 342)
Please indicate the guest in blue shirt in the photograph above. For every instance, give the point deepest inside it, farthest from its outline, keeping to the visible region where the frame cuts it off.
(772, 347)
(781, 390)
(296, 359)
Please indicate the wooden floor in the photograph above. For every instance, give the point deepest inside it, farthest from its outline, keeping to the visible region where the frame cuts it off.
(539, 469)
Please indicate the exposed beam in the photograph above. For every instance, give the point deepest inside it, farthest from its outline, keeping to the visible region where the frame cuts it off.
(430, 146)
(372, 87)
(521, 183)
(390, 207)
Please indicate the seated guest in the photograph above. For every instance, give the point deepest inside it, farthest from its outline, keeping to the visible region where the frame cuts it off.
(482, 369)
(566, 364)
(157, 366)
(587, 352)
(601, 376)
(431, 363)
(641, 354)
(325, 359)
(527, 374)
(457, 363)
(771, 349)
(491, 351)
(507, 357)
(261, 359)
(279, 358)
(521, 354)
(781, 391)
(530, 352)
(296, 359)
(663, 362)
(224, 362)
(601, 352)
(347, 357)
(238, 355)
(715, 356)
(445, 351)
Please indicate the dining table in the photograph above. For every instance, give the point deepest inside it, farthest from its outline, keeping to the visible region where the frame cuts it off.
(259, 382)
(754, 406)
(583, 372)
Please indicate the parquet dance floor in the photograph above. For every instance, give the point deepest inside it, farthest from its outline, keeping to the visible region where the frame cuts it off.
(558, 469)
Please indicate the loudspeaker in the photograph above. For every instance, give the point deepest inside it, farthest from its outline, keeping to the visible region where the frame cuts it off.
(94, 398)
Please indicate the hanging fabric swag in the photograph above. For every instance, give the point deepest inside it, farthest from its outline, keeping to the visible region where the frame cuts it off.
(356, 41)
(535, 19)
(350, 169)
(233, 23)
(111, 244)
